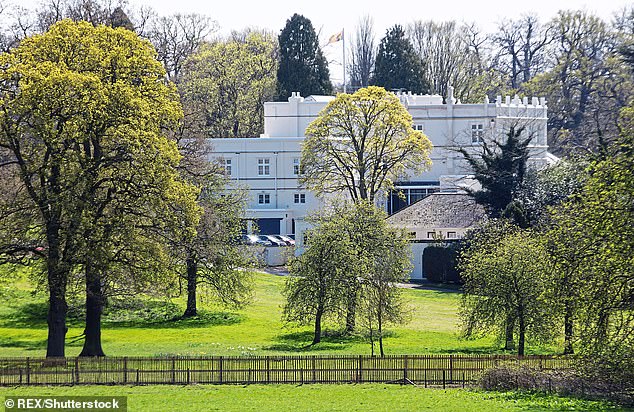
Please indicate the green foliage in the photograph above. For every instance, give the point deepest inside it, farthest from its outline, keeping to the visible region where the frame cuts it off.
(225, 84)
(352, 263)
(594, 241)
(316, 289)
(303, 67)
(507, 283)
(84, 110)
(360, 144)
(397, 66)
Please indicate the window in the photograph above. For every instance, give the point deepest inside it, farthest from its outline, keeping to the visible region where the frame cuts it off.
(296, 169)
(431, 235)
(477, 133)
(264, 199)
(451, 235)
(419, 127)
(228, 167)
(300, 198)
(264, 167)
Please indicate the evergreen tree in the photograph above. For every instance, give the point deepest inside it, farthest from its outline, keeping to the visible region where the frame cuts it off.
(397, 65)
(303, 67)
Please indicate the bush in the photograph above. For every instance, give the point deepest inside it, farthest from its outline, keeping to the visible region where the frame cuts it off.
(570, 382)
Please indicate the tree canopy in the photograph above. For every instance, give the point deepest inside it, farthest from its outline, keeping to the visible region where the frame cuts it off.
(225, 85)
(360, 144)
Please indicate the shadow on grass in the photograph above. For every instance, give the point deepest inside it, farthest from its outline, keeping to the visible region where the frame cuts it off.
(203, 319)
(34, 344)
(132, 314)
(302, 342)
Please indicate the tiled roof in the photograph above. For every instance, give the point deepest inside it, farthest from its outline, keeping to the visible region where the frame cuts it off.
(440, 210)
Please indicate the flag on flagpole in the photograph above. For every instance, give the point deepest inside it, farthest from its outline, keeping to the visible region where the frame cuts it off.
(335, 38)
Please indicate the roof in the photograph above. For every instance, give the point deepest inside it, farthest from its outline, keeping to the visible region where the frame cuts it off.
(440, 210)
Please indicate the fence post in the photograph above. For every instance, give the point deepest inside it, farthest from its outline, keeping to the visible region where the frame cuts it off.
(425, 377)
(405, 369)
(137, 376)
(451, 368)
(125, 369)
(268, 369)
(77, 370)
(443, 378)
(28, 371)
(314, 369)
(360, 367)
(220, 371)
(173, 370)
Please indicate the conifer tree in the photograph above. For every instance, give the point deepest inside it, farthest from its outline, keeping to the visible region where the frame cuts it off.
(397, 65)
(303, 67)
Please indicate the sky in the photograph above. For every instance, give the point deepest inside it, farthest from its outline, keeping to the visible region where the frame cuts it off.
(331, 16)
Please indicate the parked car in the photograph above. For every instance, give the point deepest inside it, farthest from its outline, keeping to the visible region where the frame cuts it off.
(255, 240)
(273, 240)
(288, 240)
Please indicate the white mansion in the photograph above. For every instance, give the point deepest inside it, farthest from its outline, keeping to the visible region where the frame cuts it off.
(269, 165)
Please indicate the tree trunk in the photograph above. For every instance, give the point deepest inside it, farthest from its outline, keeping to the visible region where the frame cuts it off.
(351, 311)
(568, 330)
(192, 275)
(56, 318)
(94, 308)
(380, 327)
(317, 337)
(57, 306)
(522, 335)
(509, 344)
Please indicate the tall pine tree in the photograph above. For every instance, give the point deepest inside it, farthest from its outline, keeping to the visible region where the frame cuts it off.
(303, 67)
(397, 65)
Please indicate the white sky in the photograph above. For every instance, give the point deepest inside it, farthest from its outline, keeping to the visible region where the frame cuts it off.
(330, 16)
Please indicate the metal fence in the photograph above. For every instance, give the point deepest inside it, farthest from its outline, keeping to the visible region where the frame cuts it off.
(421, 369)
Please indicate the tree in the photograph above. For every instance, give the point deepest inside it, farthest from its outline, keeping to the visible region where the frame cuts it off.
(352, 257)
(506, 273)
(593, 238)
(397, 65)
(386, 253)
(360, 144)
(226, 84)
(500, 169)
(84, 127)
(362, 54)
(315, 290)
(303, 67)
(177, 37)
(522, 46)
(448, 58)
(587, 85)
(214, 258)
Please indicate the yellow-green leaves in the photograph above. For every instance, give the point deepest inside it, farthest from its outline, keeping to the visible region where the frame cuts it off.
(362, 143)
(226, 83)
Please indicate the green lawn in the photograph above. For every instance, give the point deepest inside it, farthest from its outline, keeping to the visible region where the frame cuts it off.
(366, 398)
(147, 327)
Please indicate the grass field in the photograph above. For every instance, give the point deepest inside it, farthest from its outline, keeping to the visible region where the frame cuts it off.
(147, 327)
(366, 398)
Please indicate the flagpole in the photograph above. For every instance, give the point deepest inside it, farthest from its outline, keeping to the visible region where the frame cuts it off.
(343, 37)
